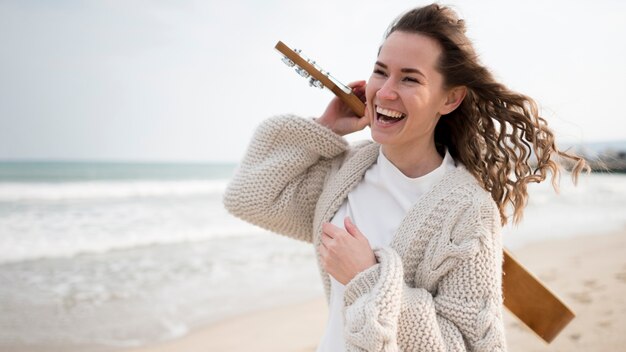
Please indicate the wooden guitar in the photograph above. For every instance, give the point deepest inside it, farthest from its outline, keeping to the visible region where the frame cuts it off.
(524, 295)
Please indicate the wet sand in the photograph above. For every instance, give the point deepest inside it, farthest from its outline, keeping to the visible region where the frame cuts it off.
(588, 273)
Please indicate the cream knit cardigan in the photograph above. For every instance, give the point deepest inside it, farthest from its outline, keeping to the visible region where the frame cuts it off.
(436, 287)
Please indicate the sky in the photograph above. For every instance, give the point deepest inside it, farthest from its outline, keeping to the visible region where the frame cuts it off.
(190, 80)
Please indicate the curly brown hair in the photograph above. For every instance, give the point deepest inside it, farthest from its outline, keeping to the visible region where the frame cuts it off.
(495, 132)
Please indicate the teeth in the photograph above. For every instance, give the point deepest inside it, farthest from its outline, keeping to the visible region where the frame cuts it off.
(390, 113)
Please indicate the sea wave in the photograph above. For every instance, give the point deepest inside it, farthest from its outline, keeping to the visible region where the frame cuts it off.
(15, 249)
(21, 191)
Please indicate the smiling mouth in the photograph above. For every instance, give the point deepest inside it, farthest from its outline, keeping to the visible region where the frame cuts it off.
(387, 116)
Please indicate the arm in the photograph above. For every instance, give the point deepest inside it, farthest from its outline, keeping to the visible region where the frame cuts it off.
(282, 174)
(463, 314)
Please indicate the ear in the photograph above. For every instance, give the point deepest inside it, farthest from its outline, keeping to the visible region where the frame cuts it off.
(454, 98)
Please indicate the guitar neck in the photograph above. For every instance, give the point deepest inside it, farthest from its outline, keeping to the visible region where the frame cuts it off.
(350, 99)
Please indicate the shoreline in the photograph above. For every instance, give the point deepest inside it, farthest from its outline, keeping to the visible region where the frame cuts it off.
(587, 272)
(290, 328)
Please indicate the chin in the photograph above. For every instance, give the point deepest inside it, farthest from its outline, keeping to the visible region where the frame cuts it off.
(378, 137)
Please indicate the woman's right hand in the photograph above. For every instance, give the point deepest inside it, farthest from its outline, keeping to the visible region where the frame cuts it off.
(340, 118)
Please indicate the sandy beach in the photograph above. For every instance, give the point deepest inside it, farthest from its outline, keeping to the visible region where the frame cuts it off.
(588, 273)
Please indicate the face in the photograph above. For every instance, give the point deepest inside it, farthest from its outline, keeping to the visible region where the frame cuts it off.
(405, 92)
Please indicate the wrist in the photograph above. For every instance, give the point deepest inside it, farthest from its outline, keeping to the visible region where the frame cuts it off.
(323, 122)
(331, 125)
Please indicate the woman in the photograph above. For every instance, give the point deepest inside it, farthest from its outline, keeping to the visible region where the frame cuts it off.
(406, 229)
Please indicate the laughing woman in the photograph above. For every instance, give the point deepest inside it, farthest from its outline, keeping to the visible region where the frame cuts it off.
(406, 228)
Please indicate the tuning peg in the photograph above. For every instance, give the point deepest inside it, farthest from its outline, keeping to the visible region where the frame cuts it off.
(302, 72)
(288, 61)
(315, 83)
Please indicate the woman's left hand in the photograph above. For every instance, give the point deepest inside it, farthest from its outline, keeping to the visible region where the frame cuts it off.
(345, 253)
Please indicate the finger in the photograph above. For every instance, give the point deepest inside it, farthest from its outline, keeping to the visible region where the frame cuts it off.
(356, 84)
(327, 229)
(362, 122)
(360, 89)
(351, 228)
(326, 239)
(331, 230)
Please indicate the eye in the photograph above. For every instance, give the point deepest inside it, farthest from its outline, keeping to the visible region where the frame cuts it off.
(379, 72)
(410, 79)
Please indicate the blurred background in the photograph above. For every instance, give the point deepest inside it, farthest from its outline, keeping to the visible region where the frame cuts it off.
(121, 123)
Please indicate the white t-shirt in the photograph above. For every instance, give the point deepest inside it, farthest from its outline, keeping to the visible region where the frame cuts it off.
(376, 206)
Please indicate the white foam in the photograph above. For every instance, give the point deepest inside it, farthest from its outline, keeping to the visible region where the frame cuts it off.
(596, 206)
(22, 191)
(16, 248)
(52, 220)
(49, 225)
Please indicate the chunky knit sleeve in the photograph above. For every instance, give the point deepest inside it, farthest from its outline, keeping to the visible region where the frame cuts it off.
(461, 311)
(281, 176)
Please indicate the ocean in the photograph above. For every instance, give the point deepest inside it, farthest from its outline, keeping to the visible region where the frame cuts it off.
(121, 254)
(110, 255)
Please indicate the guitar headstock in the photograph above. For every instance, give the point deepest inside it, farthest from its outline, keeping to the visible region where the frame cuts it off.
(319, 78)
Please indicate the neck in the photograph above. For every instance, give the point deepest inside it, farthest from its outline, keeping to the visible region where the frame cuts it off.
(414, 160)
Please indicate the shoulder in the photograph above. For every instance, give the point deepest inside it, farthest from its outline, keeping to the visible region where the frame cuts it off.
(357, 155)
(471, 204)
(360, 150)
(461, 183)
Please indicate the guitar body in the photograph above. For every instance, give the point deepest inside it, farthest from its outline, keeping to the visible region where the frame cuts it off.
(532, 302)
(524, 295)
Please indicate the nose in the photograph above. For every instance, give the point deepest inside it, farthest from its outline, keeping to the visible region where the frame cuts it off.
(387, 91)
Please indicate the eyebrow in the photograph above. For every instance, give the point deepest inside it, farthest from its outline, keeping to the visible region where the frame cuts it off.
(405, 70)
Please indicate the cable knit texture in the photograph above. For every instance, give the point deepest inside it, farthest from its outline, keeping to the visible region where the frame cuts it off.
(436, 287)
